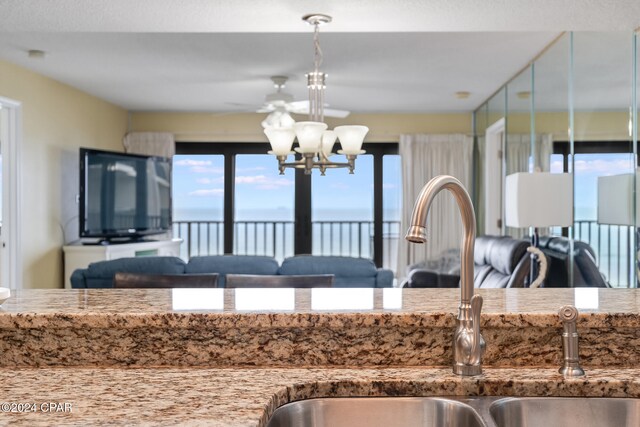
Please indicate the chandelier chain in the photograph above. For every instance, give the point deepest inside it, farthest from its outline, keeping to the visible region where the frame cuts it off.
(317, 59)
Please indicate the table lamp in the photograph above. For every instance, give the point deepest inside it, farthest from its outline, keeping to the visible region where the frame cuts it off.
(539, 199)
(615, 201)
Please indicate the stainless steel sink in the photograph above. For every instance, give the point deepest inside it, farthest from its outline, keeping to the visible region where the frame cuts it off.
(566, 412)
(376, 411)
(459, 411)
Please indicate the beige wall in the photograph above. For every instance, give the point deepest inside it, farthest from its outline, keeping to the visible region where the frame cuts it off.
(198, 127)
(57, 119)
(588, 126)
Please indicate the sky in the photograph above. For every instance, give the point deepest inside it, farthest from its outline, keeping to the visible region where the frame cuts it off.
(588, 167)
(261, 193)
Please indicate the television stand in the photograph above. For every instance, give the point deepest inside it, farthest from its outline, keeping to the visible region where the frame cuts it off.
(80, 255)
(117, 241)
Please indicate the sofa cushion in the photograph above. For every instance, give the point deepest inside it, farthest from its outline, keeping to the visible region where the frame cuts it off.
(338, 265)
(235, 264)
(100, 274)
(348, 271)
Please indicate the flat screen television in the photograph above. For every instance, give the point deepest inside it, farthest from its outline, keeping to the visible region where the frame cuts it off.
(123, 196)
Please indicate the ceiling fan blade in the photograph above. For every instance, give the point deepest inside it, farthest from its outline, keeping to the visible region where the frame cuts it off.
(302, 107)
(298, 105)
(266, 109)
(330, 112)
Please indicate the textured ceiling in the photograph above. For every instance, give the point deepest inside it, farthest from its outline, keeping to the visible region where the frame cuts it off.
(350, 15)
(368, 72)
(383, 56)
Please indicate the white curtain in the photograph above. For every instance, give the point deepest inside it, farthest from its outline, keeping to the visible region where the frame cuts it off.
(424, 157)
(519, 152)
(150, 143)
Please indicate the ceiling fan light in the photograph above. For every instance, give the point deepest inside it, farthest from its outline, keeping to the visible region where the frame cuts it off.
(309, 135)
(351, 138)
(278, 119)
(281, 139)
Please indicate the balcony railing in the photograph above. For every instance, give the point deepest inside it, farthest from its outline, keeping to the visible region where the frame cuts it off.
(614, 247)
(276, 238)
(613, 244)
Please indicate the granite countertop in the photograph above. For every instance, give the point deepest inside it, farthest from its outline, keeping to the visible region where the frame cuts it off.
(283, 307)
(225, 357)
(306, 327)
(234, 397)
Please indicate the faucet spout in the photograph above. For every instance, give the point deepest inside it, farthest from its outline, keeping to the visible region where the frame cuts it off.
(468, 343)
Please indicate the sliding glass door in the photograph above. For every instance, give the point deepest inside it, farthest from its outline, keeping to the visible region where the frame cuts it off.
(230, 198)
(198, 203)
(264, 207)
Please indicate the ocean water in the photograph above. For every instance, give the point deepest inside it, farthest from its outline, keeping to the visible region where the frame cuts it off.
(281, 214)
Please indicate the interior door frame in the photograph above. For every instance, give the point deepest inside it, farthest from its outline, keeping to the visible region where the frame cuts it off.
(11, 137)
(494, 178)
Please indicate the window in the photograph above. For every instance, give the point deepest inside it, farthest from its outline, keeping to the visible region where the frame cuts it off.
(259, 212)
(264, 207)
(342, 210)
(613, 244)
(392, 209)
(198, 203)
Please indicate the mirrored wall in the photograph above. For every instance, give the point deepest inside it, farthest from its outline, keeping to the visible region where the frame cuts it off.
(572, 110)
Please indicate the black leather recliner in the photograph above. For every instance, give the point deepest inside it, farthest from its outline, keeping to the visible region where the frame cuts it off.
(499, 262)
(585, 269)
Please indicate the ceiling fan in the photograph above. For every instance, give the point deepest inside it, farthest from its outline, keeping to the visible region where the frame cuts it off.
(280, 104)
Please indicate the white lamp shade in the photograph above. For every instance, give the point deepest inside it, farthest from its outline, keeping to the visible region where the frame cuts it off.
(351, 138)
(328, 140)
(281, 140)
(615, 200)
(309, 135)
(539, 199)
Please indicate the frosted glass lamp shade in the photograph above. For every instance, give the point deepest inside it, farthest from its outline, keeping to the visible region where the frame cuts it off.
(351, 138)
(539, 199)
(328, 140)
(281, 140)
(615, 200)
(309, 135)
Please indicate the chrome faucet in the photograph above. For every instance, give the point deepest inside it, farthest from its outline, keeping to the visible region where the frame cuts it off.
(468, 344)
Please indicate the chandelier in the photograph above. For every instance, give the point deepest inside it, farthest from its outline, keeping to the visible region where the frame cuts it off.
(314, 140)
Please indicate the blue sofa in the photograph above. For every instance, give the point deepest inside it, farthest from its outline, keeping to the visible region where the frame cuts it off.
(349, 272)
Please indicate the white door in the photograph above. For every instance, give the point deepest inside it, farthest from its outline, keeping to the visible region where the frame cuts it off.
(10, 137)
(2, 245)
(494, 178)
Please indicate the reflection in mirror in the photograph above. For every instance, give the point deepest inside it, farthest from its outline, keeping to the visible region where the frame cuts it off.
(551, 112)
(635, 132)
(571, 111)
(490, 136)
(519, 134)
(603, 159)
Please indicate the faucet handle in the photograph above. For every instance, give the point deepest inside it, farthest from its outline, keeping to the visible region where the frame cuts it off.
(476, 309)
